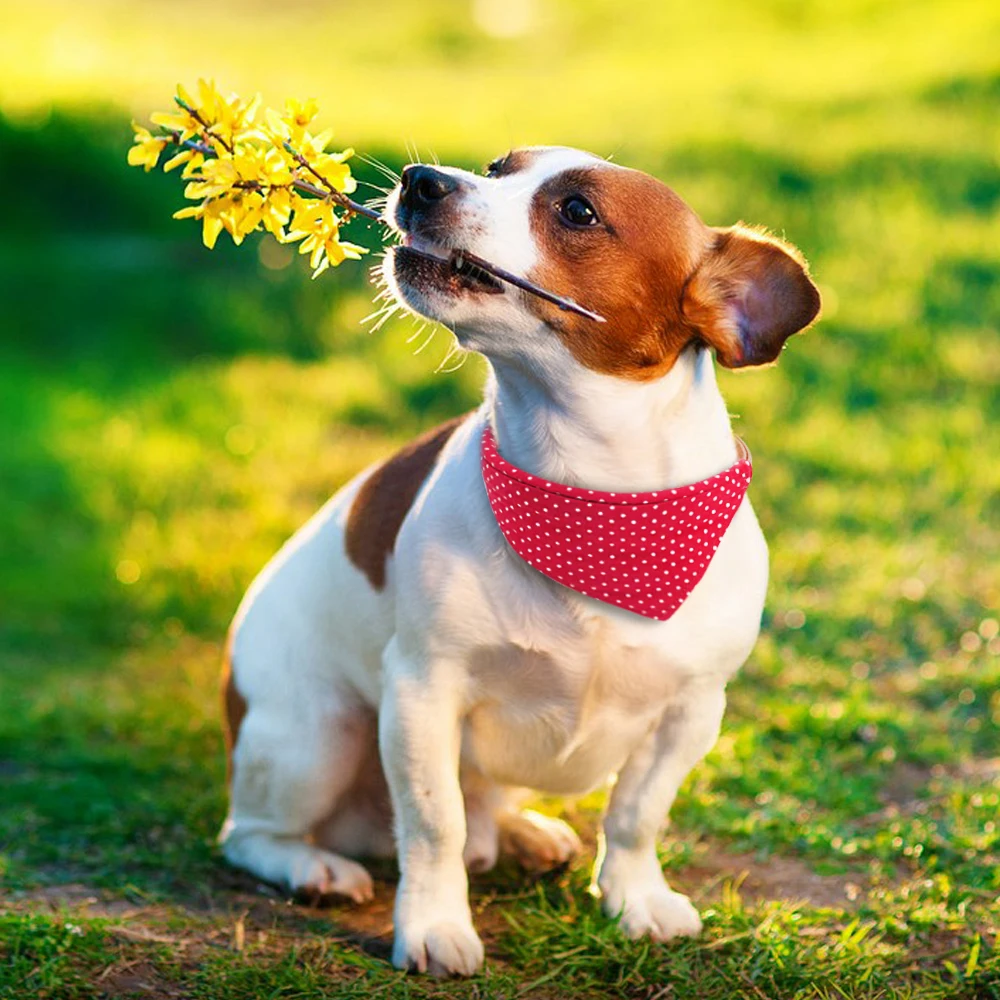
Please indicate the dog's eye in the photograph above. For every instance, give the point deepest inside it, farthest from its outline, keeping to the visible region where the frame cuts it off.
(577, 211)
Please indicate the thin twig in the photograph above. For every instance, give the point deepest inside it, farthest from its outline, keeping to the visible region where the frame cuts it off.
(335, 195)
(196, 115)
(458, 257)
(563, 302)
(198, 147)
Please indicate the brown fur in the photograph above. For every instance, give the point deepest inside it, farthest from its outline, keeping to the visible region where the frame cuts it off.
(630, 268)
(749, 295)
(661, 278)
(233, 704)
(385, 498)
(513, 162)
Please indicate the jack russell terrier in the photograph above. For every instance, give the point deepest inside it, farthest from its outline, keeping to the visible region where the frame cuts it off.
(487, 611)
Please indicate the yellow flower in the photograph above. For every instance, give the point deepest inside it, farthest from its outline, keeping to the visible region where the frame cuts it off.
(245, 215)
(310, 146)
(192, 166)
(191, 157)
(217, 176)
(276, 211)
(300, 114)
(312, 216)
(247, 160)
(337, 252)
(276, 170)
(332, 168)
(209, 98)
(190, 212)
(179, 121)
(218, 120)
(146, 148)
(233, 119)
(213, 220)
(334, 253)
(296, 119)
(212, 213)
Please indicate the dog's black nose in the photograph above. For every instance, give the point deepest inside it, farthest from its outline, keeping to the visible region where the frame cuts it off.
(422, 186)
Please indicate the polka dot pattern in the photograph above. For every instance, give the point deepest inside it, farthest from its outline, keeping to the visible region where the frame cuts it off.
(641, 551)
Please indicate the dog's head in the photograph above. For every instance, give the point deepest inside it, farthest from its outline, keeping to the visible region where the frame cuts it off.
(615, 240)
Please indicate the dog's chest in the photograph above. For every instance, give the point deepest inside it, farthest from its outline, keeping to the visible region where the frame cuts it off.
(563, 716)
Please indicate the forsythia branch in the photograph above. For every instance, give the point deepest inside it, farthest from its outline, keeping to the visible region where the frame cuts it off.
(246, 174)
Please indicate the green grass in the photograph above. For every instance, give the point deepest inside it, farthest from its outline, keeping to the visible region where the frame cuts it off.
(171, 415)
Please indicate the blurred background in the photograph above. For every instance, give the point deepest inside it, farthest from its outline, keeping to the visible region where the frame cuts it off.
(170, 415)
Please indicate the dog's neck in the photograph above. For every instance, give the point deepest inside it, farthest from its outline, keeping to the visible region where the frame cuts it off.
(580, 428)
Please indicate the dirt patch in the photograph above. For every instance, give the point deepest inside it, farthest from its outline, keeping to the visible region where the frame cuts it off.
(82, 899)
(772, 878)
(136, 978)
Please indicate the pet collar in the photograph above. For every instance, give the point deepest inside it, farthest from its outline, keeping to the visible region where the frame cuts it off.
(644, 552)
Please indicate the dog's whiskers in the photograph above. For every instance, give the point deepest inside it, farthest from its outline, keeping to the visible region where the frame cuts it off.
(430, 337)
(381, 317)
(375, 187)
(381, 167)
(454, 348)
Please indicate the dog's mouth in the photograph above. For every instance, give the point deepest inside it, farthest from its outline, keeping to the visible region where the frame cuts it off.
(422, 264)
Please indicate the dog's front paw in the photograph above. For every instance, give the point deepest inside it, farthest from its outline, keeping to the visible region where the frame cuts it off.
(653, 911)
(538, 842)
(444, 948)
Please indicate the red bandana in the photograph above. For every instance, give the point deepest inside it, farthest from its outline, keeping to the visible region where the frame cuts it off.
(644, 552)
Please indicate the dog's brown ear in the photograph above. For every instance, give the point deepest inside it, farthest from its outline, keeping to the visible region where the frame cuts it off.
(749, 294)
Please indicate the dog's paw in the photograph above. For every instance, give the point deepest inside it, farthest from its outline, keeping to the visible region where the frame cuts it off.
(316, 874)
(656, 912)
(480, 853)
(538, 842)
(445, 948)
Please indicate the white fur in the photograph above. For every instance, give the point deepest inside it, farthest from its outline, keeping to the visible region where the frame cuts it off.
(483, 675)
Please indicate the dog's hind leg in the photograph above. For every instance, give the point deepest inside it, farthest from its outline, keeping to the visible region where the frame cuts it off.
(361, 824)
(538, 842)
(496, 824)
(293, 758)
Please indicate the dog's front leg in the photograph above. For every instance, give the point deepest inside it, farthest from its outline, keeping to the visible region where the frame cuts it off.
(627, 873)
(420, 740)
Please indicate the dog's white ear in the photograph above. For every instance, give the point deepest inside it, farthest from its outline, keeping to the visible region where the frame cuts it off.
(749, 294)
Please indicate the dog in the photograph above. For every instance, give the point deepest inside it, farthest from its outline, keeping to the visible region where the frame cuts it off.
(399, 674)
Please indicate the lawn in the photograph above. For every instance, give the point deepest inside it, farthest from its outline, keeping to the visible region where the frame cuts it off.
(170, 416)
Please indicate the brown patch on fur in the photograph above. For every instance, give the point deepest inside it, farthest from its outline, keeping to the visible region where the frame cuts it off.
(513, 162)
(661, 278)
(386, 496)
(233, 704)
(631, 268)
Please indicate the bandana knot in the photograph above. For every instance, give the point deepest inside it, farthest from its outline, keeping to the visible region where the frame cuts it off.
(644, 552)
